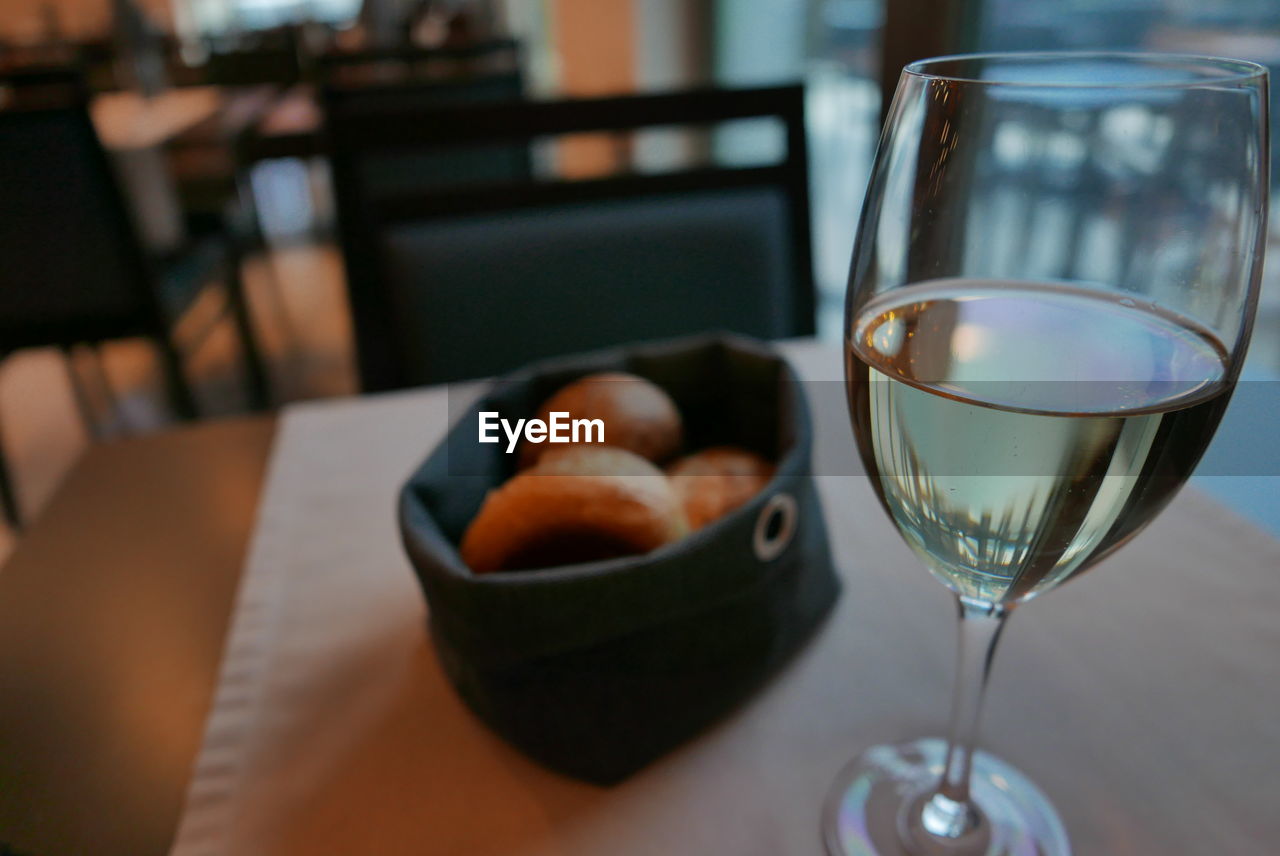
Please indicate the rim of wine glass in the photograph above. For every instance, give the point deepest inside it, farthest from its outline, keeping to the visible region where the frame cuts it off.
(1231, 71)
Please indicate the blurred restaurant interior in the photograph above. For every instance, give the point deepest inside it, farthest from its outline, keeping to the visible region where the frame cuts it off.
(240, 146)
(214, 212)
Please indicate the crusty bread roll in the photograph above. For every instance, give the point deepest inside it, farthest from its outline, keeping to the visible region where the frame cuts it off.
(579, 504)
(715, 481)
(638, 415)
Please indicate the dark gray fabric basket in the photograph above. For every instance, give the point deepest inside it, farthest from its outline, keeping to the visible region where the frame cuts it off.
(599, 668)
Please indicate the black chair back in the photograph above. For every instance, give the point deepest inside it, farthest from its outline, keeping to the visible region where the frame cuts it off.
(383, 170)
(465, 282)
(73, 266)
(275, 62)
(409, 65)
(368, 171)
(42, 86)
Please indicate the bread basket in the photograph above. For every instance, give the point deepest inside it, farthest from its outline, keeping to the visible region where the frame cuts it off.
(597, 669)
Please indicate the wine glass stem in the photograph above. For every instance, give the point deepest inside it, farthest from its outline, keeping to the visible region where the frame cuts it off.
(950, 813)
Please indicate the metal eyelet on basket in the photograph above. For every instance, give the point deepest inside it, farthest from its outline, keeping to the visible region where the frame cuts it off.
(775, 527)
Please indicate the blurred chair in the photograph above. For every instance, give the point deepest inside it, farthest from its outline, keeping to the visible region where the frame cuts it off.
(102, 69)
(366, 172)
(394, 169)
(274, 57)
(41, 84)
(75, 268)
(206, 167)
(413, 64)
(456, 282)
(214, 189)
(98, 59)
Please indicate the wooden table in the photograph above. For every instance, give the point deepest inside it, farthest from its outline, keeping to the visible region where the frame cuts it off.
(127, 120)
(113, 611)
(1142, 697)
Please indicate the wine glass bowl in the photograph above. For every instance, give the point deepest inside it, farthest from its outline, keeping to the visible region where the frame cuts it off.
(1050, 297)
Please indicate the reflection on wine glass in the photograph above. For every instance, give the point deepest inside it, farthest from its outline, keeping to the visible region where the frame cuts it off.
(1050, 299)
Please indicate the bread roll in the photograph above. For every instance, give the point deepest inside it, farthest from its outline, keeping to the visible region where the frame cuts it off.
(715, 481)
(579, 504)
(638, 416)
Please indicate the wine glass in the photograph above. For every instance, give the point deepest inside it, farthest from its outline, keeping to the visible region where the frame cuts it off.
(1050, 298)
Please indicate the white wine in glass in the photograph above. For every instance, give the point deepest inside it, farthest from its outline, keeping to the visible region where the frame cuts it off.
(1051, 295)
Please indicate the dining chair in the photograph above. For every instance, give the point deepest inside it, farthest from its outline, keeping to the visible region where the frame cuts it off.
(215, 193)
(99, 61)
(75, 269)
(367, 171)
(460, 282)
(408, 63)
(393, 169)
(274, 58)
(36, 84)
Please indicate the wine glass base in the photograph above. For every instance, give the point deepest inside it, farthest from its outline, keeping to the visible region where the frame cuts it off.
(871, 807)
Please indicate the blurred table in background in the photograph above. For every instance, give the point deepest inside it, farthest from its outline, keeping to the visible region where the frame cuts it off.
(134, 129)
(127, 120)
(237, 110)
(290, 128)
